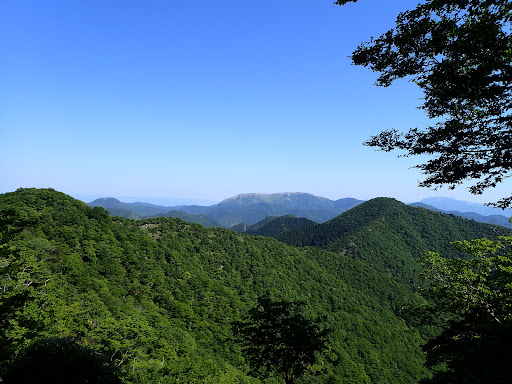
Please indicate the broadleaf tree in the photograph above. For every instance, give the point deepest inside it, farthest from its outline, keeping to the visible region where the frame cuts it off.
(471, 300)
(278, 340)
(459, 53)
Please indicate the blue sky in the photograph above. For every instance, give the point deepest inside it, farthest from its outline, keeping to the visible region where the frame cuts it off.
(201, 100)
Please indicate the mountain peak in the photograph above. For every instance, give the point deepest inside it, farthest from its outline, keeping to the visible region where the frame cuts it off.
(268, 197)
(107, 203)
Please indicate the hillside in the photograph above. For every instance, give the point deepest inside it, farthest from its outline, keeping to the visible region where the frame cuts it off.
(204, 220)
(391, 236)
(273, 226)
(158, 297)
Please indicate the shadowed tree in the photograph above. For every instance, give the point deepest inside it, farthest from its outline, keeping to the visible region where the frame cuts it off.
(471, 300)
(60, 360)
(459, 53)
(278, 340)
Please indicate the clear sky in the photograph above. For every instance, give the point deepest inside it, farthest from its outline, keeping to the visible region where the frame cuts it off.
(201, 100)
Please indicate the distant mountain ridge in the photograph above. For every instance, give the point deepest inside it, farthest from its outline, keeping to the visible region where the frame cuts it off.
(141, 210)
(466, 210)
(291, 200)
(491, 219)
(247, 208)
(251, 208)
(449, 204)
(138, 210)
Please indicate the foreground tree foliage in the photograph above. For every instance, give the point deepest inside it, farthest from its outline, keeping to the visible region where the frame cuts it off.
(279, 340)
(471, 300)
(459, 53)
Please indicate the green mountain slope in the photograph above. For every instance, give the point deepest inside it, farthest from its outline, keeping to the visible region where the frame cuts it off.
(273, 226)
(158, 297)
(391, 236)
(204, 220)
(242, 227)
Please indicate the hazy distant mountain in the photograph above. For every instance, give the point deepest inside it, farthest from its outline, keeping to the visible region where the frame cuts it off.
(159, 201)
(107, 202)
(248, 208)
(494, 215)
(138, 210)
(245, 228)
(449, 204)
(251, 208)
(240, 228)
(346, 203)
(118, 208)
(286, 200)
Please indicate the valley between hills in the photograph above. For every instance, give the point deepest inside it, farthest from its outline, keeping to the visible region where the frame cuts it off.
(138, 293)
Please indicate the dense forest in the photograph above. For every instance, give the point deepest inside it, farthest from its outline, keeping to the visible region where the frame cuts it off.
(158, 300)
(273, 226)
(391, 235)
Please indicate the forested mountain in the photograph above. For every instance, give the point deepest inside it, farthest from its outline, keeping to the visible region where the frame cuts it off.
(158, 298)
(391, 236)
(272, 226)
(296, 200)
(204, 220)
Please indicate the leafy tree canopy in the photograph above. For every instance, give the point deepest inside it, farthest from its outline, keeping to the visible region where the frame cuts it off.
(472, 301)
(459, 53)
